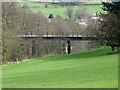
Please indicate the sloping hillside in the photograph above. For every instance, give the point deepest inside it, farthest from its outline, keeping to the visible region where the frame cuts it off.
(59, 10)
(93, 69)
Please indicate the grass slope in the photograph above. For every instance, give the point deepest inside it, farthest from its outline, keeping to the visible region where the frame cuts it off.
(91, 69)
(60, 10)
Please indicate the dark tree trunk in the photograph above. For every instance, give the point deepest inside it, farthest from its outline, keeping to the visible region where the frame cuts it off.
(118, 49)
(113, 48)
(33, 48)
(64, 48)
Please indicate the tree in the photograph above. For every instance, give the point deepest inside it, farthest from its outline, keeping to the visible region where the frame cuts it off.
(14, 23)
(69, 12)
(109, 28)
(82, 13)
(45, 5)
(50, 16)
(113, 7)
(9, 28)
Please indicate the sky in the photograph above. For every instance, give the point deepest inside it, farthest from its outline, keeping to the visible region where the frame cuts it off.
(68, 0)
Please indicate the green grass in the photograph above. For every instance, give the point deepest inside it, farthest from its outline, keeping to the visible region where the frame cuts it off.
(88, 54)
(93, 69)
(60, 10)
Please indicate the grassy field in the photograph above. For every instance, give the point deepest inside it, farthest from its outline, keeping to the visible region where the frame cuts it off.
(60, 10)
(93, 69)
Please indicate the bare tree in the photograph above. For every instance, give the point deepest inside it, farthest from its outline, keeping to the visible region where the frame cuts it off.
(82, 13)
(69, 12)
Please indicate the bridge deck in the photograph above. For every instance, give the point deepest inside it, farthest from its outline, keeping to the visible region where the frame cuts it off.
(72, 37)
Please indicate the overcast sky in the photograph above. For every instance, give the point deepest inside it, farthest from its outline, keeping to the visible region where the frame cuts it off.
(67, 0)
(60, 0)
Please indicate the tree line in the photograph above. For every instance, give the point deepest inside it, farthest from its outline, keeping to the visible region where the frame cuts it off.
(18, 20)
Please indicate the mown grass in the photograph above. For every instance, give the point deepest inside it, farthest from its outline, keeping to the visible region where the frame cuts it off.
(93, 69)
(92, 53)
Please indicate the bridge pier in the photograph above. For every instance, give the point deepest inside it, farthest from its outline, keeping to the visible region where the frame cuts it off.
(67, 47)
